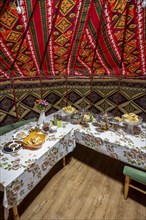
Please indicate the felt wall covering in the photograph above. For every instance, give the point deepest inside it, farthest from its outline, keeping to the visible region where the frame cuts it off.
(72, 37)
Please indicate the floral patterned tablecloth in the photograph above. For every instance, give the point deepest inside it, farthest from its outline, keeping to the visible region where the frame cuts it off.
(20, 172)
(117, 144)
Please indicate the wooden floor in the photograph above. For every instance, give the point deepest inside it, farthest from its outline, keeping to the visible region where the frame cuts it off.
(89, 187)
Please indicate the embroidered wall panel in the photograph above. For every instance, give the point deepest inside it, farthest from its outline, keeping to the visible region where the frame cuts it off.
(99, 95)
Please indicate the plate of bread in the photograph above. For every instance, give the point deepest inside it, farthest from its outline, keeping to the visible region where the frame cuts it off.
(132, 119)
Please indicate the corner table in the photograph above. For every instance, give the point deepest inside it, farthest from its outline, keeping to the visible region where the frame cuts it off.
(20, 172)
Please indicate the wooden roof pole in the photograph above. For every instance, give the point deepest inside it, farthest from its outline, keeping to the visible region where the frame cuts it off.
(122, 56)
(98, 31)
(3, 7)
(91, 77)
(14, 95)
(43, 57)
(74, 37)
(24, 35)
(124, 34)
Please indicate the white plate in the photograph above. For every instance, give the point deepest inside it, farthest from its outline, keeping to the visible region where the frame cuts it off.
(53, 128)
(20, 135)
(144, 124)
(12, 146)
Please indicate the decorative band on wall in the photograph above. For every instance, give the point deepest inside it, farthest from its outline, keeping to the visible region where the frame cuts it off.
(102, 95)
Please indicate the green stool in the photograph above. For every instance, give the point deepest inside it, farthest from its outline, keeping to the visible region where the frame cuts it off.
(133, 174)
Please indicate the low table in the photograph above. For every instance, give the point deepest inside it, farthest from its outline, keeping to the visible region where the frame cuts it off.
(23, 170)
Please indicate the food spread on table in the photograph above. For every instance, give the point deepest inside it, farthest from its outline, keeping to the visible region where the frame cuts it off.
(35, 137)
(24, 168)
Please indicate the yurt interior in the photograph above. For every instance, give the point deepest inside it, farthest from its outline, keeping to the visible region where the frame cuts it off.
(73, 109)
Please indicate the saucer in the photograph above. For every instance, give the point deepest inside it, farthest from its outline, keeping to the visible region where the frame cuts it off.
(20, 135)
(53, 129)
(12, 146)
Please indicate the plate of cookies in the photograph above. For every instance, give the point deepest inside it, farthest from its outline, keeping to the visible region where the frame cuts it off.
(131, 119)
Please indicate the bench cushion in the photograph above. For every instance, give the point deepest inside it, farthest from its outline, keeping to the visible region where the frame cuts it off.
(5, 129)
(21, 123)
(135, 174)
(8, 128)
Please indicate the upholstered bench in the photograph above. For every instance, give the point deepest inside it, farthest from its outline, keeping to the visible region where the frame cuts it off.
(133, 174)
(8, 128)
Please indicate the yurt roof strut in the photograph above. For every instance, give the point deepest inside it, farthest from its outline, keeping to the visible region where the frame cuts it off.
(124, 34)
(24, 35)
(3, 7)
(98, 31)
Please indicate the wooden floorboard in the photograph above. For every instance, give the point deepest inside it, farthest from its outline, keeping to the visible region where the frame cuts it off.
(89, 187)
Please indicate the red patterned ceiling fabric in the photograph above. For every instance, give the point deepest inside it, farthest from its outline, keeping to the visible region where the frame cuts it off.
(72, 37)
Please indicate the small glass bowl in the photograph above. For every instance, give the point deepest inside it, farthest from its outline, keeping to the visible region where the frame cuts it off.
(114, 121)
(76, 118)
(132, 123)
(87, 116)
(46, 127)
(53, 128)
(106, 116)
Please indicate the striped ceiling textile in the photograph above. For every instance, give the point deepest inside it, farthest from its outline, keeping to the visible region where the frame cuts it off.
(72, 37)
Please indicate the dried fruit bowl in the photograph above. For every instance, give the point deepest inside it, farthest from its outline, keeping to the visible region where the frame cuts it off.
(34, 140)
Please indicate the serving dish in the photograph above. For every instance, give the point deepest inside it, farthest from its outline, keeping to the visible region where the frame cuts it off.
(95, 124)
(76, 118)
(105, 116)
(115, 121)
(12, 146)
(87, 116)
(53, 128)
(131, 119)
(143, 125)
(99, 129)
(20, 135)
(118, 119)
(84, 124)
(105, 127)
(34, 140)
(68, 110)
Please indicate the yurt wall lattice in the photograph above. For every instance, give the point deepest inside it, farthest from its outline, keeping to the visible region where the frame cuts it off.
(98, 95)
